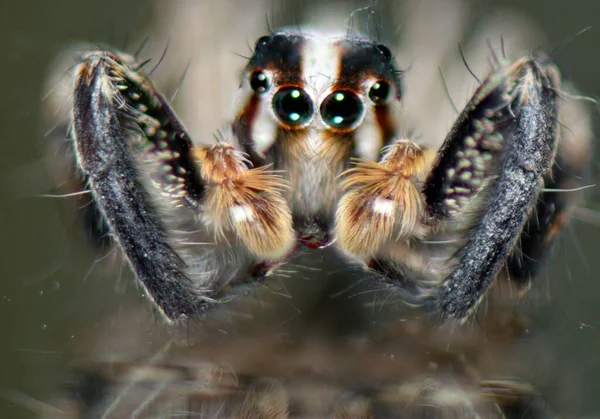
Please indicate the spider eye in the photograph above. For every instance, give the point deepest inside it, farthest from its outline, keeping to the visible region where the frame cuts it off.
(379, 92)
(385, 52)
(259, 82)
(262, 41)
(293, 106)
(341, 109)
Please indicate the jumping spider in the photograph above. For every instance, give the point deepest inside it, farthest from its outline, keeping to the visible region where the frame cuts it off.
(314, 157)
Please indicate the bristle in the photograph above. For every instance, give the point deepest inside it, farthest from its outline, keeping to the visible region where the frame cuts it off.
(220, 162)
(355, 408)
(335, 147)
(383, 202)
(264, 400)
(246, 201)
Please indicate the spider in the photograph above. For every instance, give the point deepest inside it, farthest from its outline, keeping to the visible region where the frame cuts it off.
(315, 161)
(314, 158)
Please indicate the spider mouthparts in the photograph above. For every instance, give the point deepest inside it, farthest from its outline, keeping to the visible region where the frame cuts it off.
(318, 240)
(313, 233)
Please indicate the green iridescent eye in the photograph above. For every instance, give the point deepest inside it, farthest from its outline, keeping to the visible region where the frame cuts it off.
(342, 109)
(293, 106)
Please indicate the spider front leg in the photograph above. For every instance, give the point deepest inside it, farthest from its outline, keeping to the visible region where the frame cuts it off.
(488, 171)
(118, 115)
(496, 154)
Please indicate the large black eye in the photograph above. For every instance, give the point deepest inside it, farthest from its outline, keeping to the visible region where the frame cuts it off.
(293, 106)
(379, 92)
(341, 109)
(259, 82)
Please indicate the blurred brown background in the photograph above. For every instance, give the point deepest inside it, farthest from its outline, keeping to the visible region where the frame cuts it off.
(50, 295)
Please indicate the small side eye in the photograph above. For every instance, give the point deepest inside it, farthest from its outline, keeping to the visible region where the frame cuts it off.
(293, 106)
(341, 109)
(379, 92)
(385, 52)
(259, 82)
(262, 41)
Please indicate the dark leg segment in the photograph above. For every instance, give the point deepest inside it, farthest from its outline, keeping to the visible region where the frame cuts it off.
(503, 142)
(102, 141)
(552, 211)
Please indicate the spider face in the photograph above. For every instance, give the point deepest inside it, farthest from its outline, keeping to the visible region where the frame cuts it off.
(307, 104)
(314, 157)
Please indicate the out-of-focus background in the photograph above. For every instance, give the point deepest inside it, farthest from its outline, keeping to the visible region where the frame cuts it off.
(54, 292)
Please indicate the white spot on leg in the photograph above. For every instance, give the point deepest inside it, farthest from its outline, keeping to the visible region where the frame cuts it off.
(242, 214)
(384, 206)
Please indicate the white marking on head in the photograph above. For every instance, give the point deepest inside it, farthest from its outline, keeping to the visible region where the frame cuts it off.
(264, 128)
(368, 137)
(320, 65)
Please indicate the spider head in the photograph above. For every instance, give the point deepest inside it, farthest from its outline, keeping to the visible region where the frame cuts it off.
(311, 85)
(309, 102)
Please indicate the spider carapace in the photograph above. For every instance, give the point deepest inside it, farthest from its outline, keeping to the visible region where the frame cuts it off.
(314, 156)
